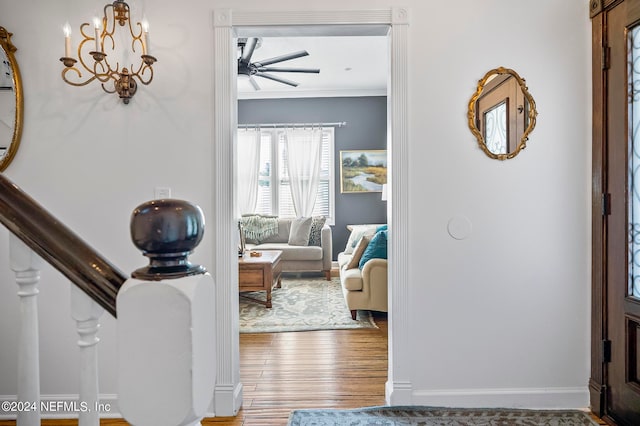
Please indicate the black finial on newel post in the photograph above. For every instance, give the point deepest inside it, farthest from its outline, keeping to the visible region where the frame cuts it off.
(167, 231)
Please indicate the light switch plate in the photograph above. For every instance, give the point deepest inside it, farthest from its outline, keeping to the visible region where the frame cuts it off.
(162, 192)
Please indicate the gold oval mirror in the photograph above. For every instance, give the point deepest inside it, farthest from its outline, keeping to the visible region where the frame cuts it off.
(11, 103)
(502, 113)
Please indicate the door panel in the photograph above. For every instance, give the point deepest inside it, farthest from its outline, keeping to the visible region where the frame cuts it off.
(622, 220)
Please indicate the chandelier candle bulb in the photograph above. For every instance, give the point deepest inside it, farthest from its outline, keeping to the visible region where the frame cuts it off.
(145, 39)
(96, 25)
(67, 40)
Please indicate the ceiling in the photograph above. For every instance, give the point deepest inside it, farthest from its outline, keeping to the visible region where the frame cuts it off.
(349, 66)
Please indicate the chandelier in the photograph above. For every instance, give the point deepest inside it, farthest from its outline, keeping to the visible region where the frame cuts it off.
(97, 45)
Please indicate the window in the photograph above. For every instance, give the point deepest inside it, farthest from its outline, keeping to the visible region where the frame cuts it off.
(274, 190)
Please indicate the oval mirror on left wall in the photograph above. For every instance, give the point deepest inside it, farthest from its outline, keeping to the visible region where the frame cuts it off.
(11, 103)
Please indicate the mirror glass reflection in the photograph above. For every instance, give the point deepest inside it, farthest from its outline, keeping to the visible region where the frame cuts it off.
(7, 104)
(502, 113)
(495, 128)
(11, 103)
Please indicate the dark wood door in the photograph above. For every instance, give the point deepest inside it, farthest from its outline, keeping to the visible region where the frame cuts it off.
(620, 180)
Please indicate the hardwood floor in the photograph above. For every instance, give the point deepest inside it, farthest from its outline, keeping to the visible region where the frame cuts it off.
(316, 369)
(313, 369)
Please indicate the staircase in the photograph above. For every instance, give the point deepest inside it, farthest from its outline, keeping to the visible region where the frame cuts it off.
(165, 313)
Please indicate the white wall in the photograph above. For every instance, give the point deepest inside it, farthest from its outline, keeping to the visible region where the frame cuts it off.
(508, 308)
(499, 318)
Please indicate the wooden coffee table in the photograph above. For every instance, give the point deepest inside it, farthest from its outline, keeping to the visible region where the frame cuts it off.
(260, 274)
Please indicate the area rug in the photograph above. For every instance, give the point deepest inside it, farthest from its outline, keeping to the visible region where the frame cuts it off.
(427, 416)
(302, 304)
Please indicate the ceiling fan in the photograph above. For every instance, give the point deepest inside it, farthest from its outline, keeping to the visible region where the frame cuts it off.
(261, 68)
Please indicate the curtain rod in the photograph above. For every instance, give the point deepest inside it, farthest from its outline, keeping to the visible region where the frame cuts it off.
(285, 125)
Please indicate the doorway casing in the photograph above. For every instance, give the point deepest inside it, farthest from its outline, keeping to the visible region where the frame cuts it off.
(226, 22)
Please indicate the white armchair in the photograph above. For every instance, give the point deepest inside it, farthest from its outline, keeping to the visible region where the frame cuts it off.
(364, 289)
(364, 282)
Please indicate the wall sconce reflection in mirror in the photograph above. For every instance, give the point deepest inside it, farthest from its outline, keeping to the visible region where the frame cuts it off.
(502, 113)
(101, 58)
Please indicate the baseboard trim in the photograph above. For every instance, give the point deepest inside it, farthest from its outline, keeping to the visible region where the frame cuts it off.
(398, 393)
(63, 406)
(532, 398)
(227, 401)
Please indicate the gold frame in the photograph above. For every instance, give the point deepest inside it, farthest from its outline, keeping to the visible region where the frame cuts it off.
(9, 49)
(471, 115)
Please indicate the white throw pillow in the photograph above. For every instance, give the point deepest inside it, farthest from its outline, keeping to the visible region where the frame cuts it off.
(300, 230)
(357, 252)
(357, 232)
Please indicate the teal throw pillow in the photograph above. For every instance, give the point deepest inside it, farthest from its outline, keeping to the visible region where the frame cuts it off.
(377, 248)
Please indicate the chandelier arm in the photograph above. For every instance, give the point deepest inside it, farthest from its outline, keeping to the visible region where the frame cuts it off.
(110, 36)
(137, 72)
(85, 36)
(141, 73)
(106, 73)
(84, 83)
(80, 46)
(142, 69)
(107, 90)
(135, 37)
(105, 20)
(103, 78)
(133, 43)
(139, 36)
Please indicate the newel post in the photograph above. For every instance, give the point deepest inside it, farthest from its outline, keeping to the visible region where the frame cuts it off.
(166, 321)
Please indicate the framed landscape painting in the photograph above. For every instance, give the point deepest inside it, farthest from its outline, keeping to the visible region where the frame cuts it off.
(363, 171)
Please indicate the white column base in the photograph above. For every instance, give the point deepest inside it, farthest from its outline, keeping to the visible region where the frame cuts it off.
(228, 400)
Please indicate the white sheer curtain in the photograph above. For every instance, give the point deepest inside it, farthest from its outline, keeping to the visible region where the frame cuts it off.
(303, 161)
(248, 164)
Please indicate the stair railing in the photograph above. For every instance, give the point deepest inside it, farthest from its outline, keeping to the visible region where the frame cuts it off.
(59, 246)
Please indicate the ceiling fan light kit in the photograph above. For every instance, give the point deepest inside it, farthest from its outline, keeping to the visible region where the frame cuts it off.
(262, 69)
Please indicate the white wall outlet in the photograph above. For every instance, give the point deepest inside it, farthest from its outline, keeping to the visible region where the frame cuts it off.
(162, 192)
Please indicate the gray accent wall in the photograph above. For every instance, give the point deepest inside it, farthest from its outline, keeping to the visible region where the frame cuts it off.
(366, 129)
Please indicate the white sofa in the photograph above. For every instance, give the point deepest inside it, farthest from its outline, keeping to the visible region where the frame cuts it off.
(364, 288)
(296, 258)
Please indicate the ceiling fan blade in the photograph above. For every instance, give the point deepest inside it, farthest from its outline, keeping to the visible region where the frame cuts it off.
(254, 83)
(281, 58)
(248, 49)
(278, 79)
(278, 69)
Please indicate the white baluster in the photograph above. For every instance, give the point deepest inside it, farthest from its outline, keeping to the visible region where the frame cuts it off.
(26, 265)
(87, 314)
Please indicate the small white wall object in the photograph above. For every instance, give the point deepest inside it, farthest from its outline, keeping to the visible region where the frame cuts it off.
(166, 350)
(87, 314)
(26, 265)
